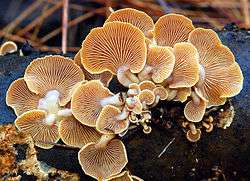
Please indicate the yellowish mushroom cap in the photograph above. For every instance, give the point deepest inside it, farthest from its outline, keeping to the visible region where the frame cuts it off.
(113, 46)
(194, 112)
(137, 18)
(102, 163)
(160, 61)
(147, 96)
(186, 68)
(171, 29)
(161, 92)
(104, 77)
(34, 123)
(112, 120)
(8, 47)
(146, 84)
(20, 98)
(86, 102)
(53, 72)
(73, 133)
(221, 76)
(124, 176)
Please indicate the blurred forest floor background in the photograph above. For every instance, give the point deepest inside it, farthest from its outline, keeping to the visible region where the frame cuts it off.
(56, 25)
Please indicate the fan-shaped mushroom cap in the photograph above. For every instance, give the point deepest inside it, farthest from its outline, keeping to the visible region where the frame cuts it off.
(186, 68)
(134, 90)
(159, 65)
(34, 123)
(112, 121)
(73, 133)
(20, 98)
(53, 72)
(137, 18)
(171, 29)
(86, 102)
(193, 111)
(146, 84)
(112, 46)
(147, 96)
(220, 76)
(161, 92)
(193, 137)
(8, 47)
(102, 163)
(104, 77)
(124, 176)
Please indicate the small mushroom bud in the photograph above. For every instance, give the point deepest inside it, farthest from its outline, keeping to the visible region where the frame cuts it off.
(209, 126)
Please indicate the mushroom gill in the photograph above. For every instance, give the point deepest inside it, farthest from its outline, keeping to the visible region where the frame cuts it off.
(103, 159)
(53, 73)
(89, 99)
(41, 127)
(104, 77)
(20, 98)
(116, 47)
(159, 65)
(220, 74)
(171, 29)
(73, 133)
(112, 120)
(137, 18)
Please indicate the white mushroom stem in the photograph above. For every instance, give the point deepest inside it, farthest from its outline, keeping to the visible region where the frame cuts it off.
(116, 100)
(202, 76)
(50, 119)
(104, 140)
(146, 73)
(131, 102)
(126, 77)
(192, 128)
(64, 112)
(124, 115)
(146, 129)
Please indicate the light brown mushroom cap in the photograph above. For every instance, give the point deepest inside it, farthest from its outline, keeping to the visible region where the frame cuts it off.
(112, 121)
(20, 98)
(137, 18)
(147, 96)
(124, 176)
(112, 46)
(101, 163)
(73, 133)
(195, 112)
(8, 47)
(186, 68)
(85, 103)
(104, 77)
(183, 94)
(53, 72)
(146, 84)
(33, 123)
(193, 137)
(162, 61)
(222, 76)
(161, 92)
(171, 29)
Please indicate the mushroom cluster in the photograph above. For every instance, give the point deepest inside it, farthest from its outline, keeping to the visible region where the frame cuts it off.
(171, 60)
